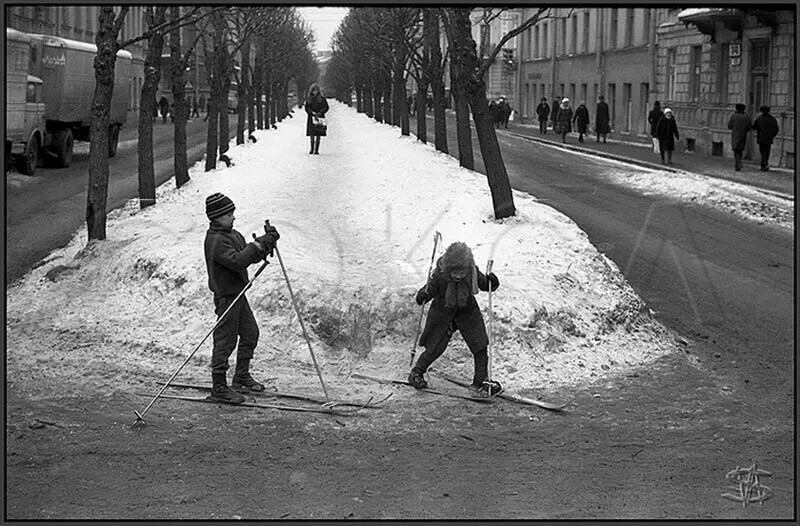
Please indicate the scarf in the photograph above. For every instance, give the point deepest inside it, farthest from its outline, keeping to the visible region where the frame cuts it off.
(457, 294)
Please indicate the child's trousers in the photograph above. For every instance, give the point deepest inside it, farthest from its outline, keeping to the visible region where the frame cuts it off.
(239, 325)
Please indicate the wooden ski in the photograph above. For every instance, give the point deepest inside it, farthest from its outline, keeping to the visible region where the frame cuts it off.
(512, 398)
(209, 400)
(428, 390)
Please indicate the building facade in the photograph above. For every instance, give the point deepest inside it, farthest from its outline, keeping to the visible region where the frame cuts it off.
(582, 53)
(710, 59)
(489, 26)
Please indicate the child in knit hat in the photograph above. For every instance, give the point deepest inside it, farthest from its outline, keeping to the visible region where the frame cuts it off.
(452, 287)
(227, 258)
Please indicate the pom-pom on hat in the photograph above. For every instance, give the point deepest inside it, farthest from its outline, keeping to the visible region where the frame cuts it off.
(217, 205)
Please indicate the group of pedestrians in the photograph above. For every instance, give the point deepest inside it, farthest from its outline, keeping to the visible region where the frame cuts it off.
(563, 118)
(664, 131)
(166, 109)
(500, 112)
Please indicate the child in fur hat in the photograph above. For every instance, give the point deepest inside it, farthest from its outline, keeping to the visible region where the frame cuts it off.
(227, 258)
(452, 287)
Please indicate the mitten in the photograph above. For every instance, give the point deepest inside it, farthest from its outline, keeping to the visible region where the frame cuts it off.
(422, 296)
(493, 281)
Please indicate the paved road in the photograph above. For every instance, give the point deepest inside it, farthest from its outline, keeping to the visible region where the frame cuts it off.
(44, 211)
(723, 282)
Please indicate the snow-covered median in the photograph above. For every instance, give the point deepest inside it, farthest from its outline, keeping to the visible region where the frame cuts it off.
(356, 224)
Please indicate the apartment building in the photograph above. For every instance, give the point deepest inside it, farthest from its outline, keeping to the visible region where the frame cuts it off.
(709, 59)
(582, 53)
(489, 26)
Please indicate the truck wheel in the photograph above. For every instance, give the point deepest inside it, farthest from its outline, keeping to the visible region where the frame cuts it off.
(64, 148)
(26, 163)
(113, 139)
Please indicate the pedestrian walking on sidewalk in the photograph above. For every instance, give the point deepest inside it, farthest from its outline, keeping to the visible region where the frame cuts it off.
(494, 113)
(554, 117)
(195, 112)
(163, 105)
(739, 124)
(667, 133)
(503, 112)
(452, 286)
(227, 258)
(582, 120)
(653, 117)
(602, 119)
(766, 127)
(564, 119)
(543, 111)
(316, 107)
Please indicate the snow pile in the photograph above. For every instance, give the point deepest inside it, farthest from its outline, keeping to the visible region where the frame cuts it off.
(357, 224)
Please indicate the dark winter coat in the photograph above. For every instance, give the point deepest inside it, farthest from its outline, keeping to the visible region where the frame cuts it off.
(564, 120)
(554, 115)
(581, 118)
(503, 110)
(319, 106)
(602, 118)
(739, 124)
(227, 258)
(543, 111)
(494, 112)
(766, 127)
(440, 318)
(667, 133)
(653, 117)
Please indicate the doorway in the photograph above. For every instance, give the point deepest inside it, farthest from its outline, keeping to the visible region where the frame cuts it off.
(759, 86)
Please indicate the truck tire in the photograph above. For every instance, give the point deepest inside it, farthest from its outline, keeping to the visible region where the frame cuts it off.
(113, 139)
(63, 148)
(27, 162)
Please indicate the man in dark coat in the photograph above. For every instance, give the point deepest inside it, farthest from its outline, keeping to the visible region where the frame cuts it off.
(316, 107)
(554, 115)
(494, 114)
(602, 119)
(163, 105)
(766, 127)
(653, 117)
(581, 118)
(739, 124)
(227, 257)
(452, 287)
(543, 111)
(503, 112)
(667, 133)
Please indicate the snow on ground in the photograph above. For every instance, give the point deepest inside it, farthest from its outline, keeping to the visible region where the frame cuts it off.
(357, 225)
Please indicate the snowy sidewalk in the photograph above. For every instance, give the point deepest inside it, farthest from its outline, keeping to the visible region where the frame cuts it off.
(356, 224)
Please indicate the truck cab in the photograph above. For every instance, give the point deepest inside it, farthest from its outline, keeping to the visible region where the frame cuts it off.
(25, 107)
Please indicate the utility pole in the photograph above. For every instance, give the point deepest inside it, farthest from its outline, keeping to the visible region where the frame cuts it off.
(601, 72)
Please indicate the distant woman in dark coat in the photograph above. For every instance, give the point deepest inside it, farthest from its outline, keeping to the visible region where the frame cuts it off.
(667, 134)
(582, 120)
(602, 119)
(316, 106)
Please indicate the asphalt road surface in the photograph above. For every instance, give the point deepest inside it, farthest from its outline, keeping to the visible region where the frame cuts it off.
(44, 211)
(723, 282)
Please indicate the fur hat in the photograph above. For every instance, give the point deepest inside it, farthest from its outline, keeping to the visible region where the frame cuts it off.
(457, 256)
(217, 205)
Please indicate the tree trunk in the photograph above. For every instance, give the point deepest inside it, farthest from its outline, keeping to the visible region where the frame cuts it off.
(224, 115)
(359, 99)
(104, 64)
(181, 108)
(148, 109)
(436, 80)
(465, 54)
(243, 91)
(376, 98)
(422, 121)
(387, 100)
(259, 92)
(463, 131)
(268, 100)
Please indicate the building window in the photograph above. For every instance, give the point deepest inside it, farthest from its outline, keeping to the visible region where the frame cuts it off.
(672, 73)
(612, 103)
(694, 79)
(545, 41)
(722, 73)
(536, 46)
(563, 36)
(574, 34)
(629, 28)
(627, 102)
(584, 92)
(586, 22)
(572, 94)
(531, 44)
(561, 92)
(613, 28)
(644, 106)
(646, 25)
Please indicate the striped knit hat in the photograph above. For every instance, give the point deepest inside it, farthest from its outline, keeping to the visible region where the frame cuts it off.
(217, 205)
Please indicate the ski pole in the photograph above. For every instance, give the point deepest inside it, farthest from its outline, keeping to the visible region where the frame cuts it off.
(489, 346)
(436, 238)
(140, 416)
(302, 325)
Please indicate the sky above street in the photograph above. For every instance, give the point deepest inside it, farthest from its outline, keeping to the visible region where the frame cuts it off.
(323, 21)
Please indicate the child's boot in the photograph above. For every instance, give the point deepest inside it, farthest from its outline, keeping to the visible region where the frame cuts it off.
(416, 379)
(222, 393)
(242, 379)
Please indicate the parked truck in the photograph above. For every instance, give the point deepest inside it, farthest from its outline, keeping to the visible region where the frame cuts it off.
(49, 90)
